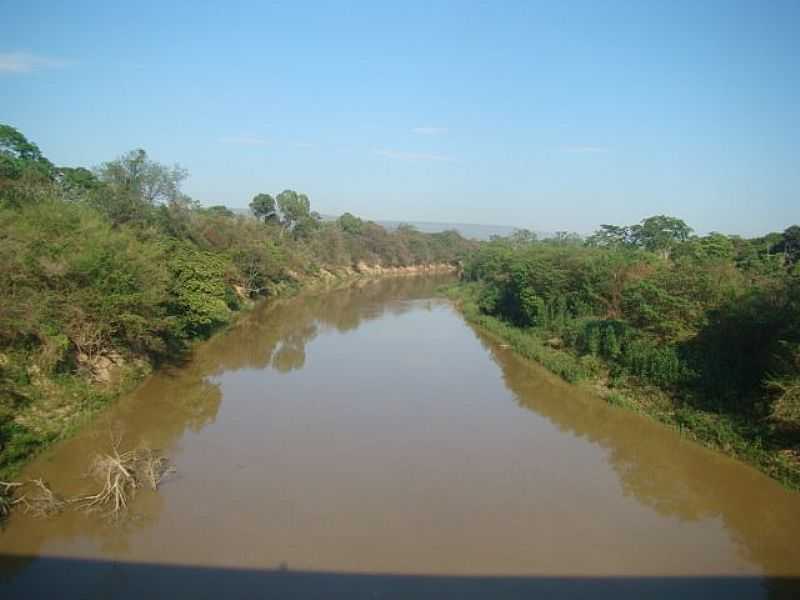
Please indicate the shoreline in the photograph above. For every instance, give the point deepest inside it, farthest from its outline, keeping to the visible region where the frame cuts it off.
(77, 399)
(720, 432)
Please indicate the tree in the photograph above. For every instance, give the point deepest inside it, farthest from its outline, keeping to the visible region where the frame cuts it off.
(263, 207)
(133, 184)
(522, 237)
(351, 224)
(17, 154)
(789, 245)
(566, 238)
(610, 236)
(660, 234)
(135, 173)
(712, 247)
(294, 207)
(717, 246)
(220, 210)
(307, 225)
(25, 175)
(296, 212)
(199, 290)
(77, 183)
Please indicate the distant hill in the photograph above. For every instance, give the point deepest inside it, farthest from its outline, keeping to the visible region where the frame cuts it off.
(468, 230)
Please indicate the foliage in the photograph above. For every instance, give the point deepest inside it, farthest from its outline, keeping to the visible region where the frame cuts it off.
(351, 224)
(789, 244)
(659, 234)
(25, 174)
(116, 265)
(199, 291)
(18, 155)
(132, 185)
(713, 322)
(264, 207)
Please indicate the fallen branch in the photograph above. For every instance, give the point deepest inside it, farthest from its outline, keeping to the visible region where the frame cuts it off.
(39, 501)
(7, 500)
(120, 475)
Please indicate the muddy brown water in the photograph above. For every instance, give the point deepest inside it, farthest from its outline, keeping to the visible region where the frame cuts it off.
(370, 430)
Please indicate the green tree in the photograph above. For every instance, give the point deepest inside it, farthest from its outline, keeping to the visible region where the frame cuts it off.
(351, 224)
(660, 234)
(77, 183)
(17, 154)
(789, 244)
(220, 210)
(151, 181)
(294, 207)
(133, 184)
(263, 207)
(521, 237)
(610, 236)
(199, 290)
(566, 238)
(25, 174)
(307, 226)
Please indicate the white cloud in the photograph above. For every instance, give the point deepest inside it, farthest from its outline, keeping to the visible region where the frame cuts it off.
(412, 155)
(244, 140)
(429, 130)
(585, 149)
(25, 62)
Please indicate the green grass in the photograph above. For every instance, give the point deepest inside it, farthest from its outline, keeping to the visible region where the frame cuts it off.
(69, 402)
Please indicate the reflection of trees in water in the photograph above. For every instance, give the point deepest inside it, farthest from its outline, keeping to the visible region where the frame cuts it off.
(672, 476)
(290, 352)
(175, 399)
(193, 401)
(155, 415)
(111, 538)
(275, 334)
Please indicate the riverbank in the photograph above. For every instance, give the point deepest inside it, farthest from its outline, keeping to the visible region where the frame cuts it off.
(315, 417)
(57, 406)
(760, 444)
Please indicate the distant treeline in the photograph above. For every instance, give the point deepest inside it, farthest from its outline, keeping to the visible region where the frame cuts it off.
(116, 264)
(701, 331)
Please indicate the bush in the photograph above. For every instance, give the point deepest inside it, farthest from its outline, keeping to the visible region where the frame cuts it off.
(656, 364)
(603, 337)
(199, 291)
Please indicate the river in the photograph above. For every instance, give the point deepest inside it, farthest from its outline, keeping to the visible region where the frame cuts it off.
(367, 442)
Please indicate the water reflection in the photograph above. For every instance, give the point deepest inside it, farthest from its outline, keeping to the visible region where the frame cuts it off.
(673, 476)
(362, 457)
(188, 397)
(275, 334)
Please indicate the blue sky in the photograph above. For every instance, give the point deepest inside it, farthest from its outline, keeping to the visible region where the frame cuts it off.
(542, 115)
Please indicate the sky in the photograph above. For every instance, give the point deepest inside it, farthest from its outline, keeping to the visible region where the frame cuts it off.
(545, 115)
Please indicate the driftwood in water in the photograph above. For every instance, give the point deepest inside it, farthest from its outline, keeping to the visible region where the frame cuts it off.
(119, 475)
(36, 498)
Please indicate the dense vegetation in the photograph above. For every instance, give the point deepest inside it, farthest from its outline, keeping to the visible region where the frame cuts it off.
(108, 271)
(702, 332)
(105, 272)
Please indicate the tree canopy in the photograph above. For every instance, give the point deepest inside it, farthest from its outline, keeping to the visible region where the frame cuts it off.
(263, 207)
